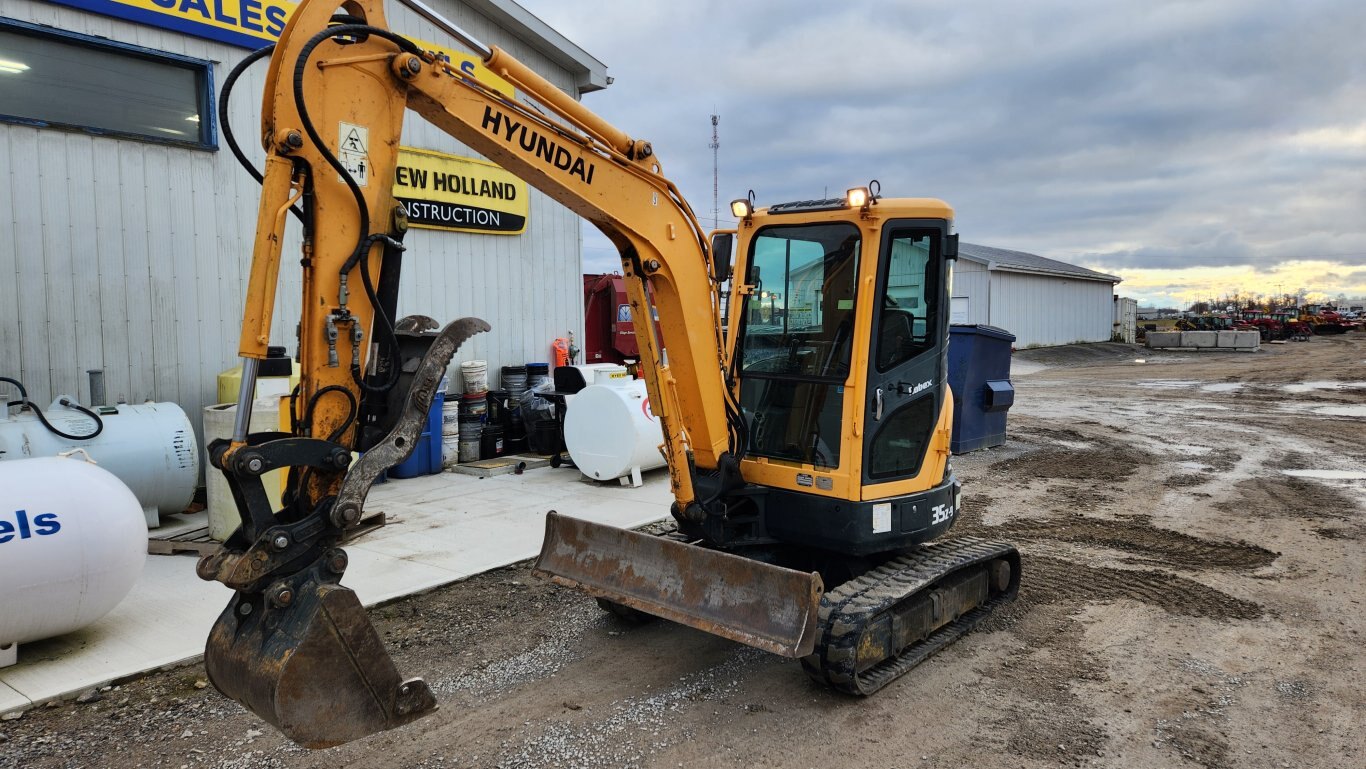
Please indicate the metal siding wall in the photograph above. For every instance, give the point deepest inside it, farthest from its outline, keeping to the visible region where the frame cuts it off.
(1043, 311)
(972, 280)
(133, 257)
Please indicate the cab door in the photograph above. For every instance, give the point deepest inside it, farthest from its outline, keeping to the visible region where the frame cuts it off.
(906, 390)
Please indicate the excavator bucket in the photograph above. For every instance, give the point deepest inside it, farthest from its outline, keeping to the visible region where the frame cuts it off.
(316, 669)
(742, 599)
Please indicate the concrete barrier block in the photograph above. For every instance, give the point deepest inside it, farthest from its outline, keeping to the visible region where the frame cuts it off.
(1227, 339)
(1200, 339)
(1160, 339)
(1247, 340)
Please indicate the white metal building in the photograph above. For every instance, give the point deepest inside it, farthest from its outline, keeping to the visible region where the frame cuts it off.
(1043, 302)
(126, 224)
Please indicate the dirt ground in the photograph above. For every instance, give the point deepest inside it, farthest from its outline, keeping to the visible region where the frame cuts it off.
(1185, 602)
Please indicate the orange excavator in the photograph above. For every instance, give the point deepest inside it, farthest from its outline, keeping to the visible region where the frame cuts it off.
(807, 441)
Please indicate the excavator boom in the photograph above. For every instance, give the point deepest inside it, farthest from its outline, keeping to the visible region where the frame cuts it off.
(294, 645)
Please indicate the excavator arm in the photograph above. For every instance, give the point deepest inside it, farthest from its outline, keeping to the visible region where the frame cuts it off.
(294, 645)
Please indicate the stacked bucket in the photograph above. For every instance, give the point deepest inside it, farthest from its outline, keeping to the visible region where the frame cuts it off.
(470, 410)
(515, 384)
(483, 424)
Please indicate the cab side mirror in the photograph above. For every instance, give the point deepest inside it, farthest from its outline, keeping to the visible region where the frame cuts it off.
(722, 243)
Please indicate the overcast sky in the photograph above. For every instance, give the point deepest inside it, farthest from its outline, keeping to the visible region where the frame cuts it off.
(1192, 148)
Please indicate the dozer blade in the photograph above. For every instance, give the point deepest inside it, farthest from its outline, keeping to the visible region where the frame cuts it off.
(739, 598)
(315, 669)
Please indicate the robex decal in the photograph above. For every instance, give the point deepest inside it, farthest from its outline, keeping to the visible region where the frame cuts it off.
(498, 124)
(42, 525)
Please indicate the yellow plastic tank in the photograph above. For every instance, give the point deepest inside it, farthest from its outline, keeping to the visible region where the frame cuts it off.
(271, 382)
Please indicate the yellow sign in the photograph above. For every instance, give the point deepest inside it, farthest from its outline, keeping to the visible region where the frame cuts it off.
(448, 192)
(251, 24)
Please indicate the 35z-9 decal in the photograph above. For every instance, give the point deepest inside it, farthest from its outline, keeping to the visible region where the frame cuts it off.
(941, 514)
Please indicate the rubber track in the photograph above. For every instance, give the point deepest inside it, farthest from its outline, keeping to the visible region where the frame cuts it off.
(847, 610)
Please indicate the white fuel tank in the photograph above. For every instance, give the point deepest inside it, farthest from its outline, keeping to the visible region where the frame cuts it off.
(610, 431)
(150, 447)
(72, 544)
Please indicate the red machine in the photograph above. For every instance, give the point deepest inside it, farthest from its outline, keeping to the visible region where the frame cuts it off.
(608, 334)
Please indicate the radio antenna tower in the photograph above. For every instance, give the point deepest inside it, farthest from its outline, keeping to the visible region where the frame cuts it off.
(715, 145)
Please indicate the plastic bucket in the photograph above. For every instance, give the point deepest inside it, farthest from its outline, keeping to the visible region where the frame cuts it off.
(491, 442)
(537, 373)
(469, 426)
(450, 450)
(514, 379)
(450, 418)
(474, 373)
(544, 436)
(475, 404)
(469, 450)
(498, 411)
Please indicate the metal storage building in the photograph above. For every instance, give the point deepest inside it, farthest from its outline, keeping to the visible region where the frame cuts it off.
(1043, 302)
(127, 226)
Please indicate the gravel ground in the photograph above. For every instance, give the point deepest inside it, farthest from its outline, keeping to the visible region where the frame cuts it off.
(1191, 528)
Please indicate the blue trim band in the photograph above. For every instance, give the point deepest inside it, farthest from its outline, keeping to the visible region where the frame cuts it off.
(168, 21)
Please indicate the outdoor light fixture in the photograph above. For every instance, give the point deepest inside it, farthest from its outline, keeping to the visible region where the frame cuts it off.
(863, 197)
(743, 208)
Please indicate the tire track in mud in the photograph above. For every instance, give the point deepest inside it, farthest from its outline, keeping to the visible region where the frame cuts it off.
(1048, 579)
(1113, 463)
(1308, 500)
(1138, 536)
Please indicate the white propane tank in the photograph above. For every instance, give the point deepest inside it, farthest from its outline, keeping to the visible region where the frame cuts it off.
(72, 543)
(611, 433)
(151, 448)
(610, 374)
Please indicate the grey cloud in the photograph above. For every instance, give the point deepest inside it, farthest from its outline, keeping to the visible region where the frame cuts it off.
(1143, 133)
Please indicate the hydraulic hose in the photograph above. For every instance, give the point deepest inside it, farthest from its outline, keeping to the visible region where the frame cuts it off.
(228, 135)
(366, 240)
(24, 401)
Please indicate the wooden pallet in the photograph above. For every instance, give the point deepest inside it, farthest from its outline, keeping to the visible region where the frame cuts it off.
(198, 542)
(194, 542)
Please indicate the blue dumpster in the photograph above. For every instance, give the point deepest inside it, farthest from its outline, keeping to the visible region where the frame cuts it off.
(979, 375)
(426, 457)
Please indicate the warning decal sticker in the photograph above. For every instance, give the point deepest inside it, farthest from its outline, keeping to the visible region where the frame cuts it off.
(353, 152)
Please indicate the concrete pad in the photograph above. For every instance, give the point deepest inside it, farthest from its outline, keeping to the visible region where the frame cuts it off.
(442, 528)
(379, 577)
(1161, 339)
(163, 621)
(1200, 339)
(10, 700)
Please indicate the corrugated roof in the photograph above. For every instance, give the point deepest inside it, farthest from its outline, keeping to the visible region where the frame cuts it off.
(589, 73)
(1020, 261)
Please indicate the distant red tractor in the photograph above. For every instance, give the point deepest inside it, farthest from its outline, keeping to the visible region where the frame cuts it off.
(1267, 325)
